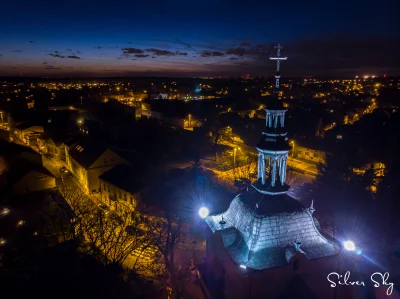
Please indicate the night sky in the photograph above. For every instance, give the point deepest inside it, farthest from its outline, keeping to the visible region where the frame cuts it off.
(198, 38)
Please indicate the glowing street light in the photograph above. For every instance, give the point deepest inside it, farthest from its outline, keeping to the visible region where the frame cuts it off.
(5, 211)
(292, 143)
(234, 154)
(349, 245)
(203, 212)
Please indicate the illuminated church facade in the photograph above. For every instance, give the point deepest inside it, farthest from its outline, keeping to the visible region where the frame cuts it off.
(266, 239)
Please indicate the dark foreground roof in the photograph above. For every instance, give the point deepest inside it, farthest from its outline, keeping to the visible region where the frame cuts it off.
(26, 125)
(270, 204)
(87, 151)
(11, 149)
(125, 177)
(17, 173)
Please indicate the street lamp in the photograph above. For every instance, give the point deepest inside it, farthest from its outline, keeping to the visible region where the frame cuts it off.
(190, 119)
(234, 154)
(5, 211)
(203, 212)
(292, 143)
(349, 245)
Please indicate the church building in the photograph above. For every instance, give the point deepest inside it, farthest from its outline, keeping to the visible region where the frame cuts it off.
(267, 243)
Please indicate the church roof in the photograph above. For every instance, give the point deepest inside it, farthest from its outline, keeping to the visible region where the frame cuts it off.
(269, 204)
(259, 228)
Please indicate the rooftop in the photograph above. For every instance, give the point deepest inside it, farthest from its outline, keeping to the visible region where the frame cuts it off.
(87, 151)
(123, 176)
(260, 230)
(25, 125)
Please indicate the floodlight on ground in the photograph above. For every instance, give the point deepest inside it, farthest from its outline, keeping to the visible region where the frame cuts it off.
(203, 212)
(243, 266)
(349, 245)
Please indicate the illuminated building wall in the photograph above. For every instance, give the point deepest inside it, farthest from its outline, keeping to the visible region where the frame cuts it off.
(309, 154)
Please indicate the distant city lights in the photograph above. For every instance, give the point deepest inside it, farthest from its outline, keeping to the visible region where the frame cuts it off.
(5, 211)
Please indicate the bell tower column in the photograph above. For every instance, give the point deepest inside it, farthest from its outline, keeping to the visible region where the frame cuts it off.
(263, 169)
(259, 168)
(273, 171)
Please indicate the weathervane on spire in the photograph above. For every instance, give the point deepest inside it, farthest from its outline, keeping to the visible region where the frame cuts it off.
(278, 59)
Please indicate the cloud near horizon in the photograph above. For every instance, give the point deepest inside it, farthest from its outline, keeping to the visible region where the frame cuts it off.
(331, 55)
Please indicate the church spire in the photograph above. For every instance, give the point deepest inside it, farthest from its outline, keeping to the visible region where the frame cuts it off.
(273, 147)
(278, 59)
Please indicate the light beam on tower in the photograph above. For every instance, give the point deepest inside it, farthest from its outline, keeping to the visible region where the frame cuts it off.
(278, 59)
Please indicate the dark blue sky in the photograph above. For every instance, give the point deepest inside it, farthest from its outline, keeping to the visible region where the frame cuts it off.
(189, 38)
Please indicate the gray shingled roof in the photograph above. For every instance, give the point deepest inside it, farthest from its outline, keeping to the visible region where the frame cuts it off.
(258, 237)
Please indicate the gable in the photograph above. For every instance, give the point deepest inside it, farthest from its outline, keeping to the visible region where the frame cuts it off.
(50, 141)
(108, 157)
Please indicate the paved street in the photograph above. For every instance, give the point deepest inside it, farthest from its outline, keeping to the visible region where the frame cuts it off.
(303, 166)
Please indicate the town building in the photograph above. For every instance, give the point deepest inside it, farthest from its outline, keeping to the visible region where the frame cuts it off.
(14, 155)
(31, 179)
(56, 148)
(88, 160)
(120, 187)
(24, 130)
(310, 150)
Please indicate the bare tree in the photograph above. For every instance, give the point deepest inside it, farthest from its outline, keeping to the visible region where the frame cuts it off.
(239, 166)
(110, 237)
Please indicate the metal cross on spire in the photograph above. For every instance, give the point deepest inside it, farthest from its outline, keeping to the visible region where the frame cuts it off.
(278, 59)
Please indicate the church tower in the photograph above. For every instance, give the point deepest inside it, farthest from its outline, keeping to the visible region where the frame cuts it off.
(273, 147)
(264, 227)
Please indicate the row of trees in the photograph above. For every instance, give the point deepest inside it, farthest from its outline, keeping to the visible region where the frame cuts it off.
(143, 241)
